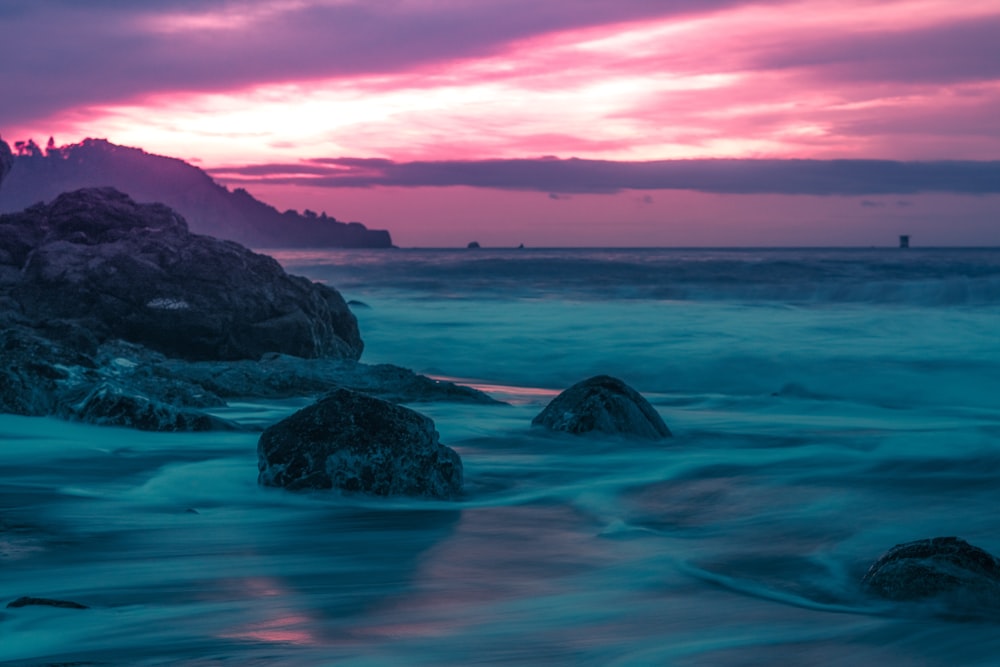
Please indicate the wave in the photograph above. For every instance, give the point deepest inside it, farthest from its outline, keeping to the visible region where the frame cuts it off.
(931, 277)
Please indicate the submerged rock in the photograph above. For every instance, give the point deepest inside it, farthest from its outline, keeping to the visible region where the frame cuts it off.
(108, 404)
(354, 442)
(44, 602)
(96, 259)
(603, 404)
(933, 567)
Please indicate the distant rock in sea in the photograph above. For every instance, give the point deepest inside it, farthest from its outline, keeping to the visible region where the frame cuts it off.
(604, 404)
(473, 245)
(354, 442)
(940, 566)
(209, 208)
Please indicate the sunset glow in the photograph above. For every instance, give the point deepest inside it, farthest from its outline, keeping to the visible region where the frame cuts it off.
(283, 82)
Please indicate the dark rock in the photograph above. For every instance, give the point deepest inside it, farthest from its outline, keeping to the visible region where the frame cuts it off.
(934, 567)
(282, 376)
(354, 303)
(108, 404)
(603, 404)
(122, 270)
(354, 442)
(473, 245)
(44, 602)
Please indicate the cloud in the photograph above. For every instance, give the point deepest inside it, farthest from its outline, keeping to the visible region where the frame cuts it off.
(59, 54)
(949, 52)
(561, 177)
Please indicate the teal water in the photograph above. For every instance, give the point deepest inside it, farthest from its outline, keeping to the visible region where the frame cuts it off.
(818, 422)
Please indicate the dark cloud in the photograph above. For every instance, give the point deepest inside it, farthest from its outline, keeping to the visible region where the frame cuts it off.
(60, 54)
(812, 177)
(967, 50)
(868, 203)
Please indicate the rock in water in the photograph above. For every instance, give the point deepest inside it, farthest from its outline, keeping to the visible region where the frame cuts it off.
(354, 442)
(932, 567)
(44, 602)
(604, 404)
(96, 260)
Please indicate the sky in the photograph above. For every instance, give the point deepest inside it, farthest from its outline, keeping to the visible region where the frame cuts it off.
(624, 122)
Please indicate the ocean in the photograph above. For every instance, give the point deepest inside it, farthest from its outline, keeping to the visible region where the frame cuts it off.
(826, 404)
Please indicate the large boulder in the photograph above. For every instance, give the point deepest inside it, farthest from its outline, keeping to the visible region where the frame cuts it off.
(97, 260)
(354, 442)
(934, 567)
(603, 404)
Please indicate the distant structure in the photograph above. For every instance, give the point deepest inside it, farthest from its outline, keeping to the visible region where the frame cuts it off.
(472, 245)
(904, 240)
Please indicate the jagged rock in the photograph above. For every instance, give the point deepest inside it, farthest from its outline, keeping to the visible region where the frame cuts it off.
(354, 442)
(124, 270)
(933, 567)
(108, 404)
(44, 602)
(603, 404)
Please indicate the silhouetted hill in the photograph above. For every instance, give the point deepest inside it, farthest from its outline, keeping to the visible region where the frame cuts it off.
(40, 176)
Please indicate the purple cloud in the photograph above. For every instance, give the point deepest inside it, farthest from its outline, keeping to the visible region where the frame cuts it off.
(812, 177)
(58, 54)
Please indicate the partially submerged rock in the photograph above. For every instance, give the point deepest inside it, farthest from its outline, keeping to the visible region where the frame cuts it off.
(933, 567)
(109, 404)
(27, 601)
(354, 442)
(603, 404)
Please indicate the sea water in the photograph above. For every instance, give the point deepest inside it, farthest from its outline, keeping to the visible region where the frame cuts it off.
(826, 405)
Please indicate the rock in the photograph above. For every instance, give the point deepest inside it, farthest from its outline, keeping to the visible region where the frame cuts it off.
(44, 602)
(933, 567)
(108, 404)
(603, 404)
(127, 271)
(283, 376)
(473, 245)
(354, 303)
(354, 442)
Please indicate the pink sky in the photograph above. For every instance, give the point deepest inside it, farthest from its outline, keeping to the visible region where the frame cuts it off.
(285, 81)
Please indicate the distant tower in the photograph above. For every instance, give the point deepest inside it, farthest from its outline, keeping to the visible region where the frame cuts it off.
(904, 240)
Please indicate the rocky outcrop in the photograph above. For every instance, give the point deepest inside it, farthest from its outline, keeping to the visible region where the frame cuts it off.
(354, 442)
(124, 384)
(96, 261)
(604, 404)
(935, 567)
(112, 313)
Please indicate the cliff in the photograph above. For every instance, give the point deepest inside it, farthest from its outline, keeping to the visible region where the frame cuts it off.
(209, 208)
